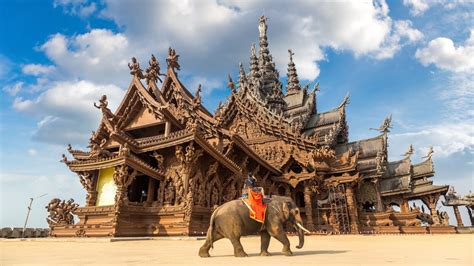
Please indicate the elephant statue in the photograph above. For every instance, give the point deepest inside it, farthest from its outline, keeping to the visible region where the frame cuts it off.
(231, 220)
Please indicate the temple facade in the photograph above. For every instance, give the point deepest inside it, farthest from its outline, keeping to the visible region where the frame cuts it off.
(161, 163)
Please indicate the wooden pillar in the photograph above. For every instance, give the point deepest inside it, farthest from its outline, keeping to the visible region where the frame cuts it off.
(431, 201)
(379, 207)
(405, 208)
(151, 190)
(308, 206)
(470, 215)
(457, 214)
(352, 209)
(167, 128)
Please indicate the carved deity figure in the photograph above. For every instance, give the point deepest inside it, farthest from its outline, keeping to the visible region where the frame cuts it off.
(153, 71)
(214, 197)
(159, 160)
(135, 69)
(169, 193)
(172, 59)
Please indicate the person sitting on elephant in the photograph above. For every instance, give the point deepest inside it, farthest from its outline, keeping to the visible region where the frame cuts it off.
(251, 184)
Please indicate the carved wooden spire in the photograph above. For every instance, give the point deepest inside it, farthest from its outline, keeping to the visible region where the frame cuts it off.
(293, 81)
(254, 69)
(263, 51)
(242, 77)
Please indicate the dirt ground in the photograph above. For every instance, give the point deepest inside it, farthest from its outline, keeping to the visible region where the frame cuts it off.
(318, 250)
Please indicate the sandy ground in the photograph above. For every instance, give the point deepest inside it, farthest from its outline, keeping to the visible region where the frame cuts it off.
(318, 250)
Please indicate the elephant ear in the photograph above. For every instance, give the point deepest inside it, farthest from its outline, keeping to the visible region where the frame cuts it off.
(286, 210)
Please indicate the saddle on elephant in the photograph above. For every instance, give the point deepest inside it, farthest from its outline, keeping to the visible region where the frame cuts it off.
(255, 203)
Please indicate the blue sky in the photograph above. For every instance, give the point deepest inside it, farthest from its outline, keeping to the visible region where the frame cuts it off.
(412, 59)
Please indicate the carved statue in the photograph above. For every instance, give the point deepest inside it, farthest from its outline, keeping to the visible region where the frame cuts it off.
(197, 96)
(214, 197)
(409, 152)
(153, 71)
(443, 217)
(230, 84)
(169, 193)
(386, 125)
(324, 154)
(159, 160)
(430, 153)
(172, 59)
(135, 69)
(64, 159)
(262, 27)
(124, 150)
(61, 212)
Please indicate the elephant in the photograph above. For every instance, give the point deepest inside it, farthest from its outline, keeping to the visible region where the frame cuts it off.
(231, 220)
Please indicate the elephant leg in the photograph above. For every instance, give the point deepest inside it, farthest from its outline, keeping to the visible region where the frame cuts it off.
(265, 242)
(286, 243)
(238, 249)
(204, 250)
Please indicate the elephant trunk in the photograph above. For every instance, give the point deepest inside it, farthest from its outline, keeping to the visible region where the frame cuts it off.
(301, 237)
(300, 229)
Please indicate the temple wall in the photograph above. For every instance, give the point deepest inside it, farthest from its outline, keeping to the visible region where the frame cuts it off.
(106, 187)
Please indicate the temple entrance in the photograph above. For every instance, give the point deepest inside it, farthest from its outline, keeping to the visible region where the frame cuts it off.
(339, 211)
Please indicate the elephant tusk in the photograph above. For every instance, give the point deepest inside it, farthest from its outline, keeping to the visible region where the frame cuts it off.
(302, 228)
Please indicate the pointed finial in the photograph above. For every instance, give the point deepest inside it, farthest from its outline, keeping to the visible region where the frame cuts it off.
(430, 153)
(262, 27)
(291, 54)
(410, 151)
(386, 125)
(253, 50)
(345, 101)
(230, 84)
(315, 88)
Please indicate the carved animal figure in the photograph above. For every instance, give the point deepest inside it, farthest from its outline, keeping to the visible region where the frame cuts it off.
(231, 220)
(61, 212)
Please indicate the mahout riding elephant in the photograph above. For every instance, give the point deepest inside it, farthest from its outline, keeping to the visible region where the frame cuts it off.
(231, 220)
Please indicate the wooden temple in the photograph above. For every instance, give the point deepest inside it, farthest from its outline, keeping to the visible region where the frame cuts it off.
(162, 162)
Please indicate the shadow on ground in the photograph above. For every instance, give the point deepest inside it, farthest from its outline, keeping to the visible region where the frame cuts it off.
(295, 253)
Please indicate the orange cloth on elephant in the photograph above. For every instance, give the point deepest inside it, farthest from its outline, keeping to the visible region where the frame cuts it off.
(257, 208)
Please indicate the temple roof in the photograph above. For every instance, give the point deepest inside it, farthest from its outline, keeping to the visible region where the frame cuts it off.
(423, 169)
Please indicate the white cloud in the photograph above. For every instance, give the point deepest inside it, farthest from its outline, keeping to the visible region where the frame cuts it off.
(445, 55)
(403, 34)
(37, 69)
(14, 89)
(446, 139)
(32, 152)
(210, 44)
(81, 8)
(99, 55)
(452, 136)
(65, 110)
(419, 7)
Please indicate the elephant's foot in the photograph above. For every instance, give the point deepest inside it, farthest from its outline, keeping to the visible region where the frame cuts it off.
(240, 254)
(203, 253)
(265, 253)
(287, 252)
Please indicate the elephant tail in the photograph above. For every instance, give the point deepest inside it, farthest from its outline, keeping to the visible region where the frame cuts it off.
(211, 227)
